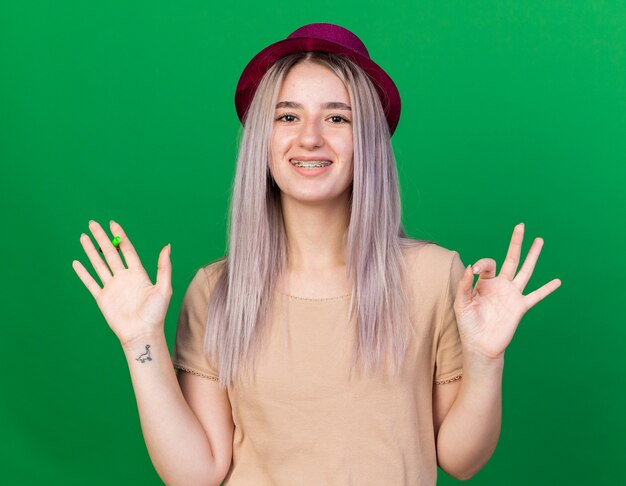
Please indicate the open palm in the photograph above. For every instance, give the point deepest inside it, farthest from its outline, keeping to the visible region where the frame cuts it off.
(488, 314)
(130, 303)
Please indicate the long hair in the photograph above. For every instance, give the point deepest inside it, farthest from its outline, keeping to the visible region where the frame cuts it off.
(257, 242)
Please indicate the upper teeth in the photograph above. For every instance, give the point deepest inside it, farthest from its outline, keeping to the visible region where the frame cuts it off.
(311, 163)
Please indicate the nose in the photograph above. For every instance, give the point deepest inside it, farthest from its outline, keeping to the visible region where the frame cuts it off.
(310, 135)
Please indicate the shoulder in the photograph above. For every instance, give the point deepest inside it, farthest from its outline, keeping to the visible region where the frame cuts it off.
(213, 269)
(204, 277)
(429, 266)
(428, 258)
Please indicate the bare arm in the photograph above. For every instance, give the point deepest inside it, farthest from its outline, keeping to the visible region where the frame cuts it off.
(444, 395)
(470, 430)
(487, 317)
(179, 447)
(187, 427)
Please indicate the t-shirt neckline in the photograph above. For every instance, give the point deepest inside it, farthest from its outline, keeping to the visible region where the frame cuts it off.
(310, 299)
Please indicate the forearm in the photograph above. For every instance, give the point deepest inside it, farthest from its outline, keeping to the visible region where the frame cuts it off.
(177, 444)
(470, 431)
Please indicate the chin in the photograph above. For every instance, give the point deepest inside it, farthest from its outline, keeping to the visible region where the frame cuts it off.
(314, 198)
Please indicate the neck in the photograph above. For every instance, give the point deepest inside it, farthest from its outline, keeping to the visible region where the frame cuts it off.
(316, 233)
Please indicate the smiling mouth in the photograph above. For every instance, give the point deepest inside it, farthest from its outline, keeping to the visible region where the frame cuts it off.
(310, 164)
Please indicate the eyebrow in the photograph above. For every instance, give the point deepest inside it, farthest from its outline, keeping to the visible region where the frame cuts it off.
(331, 105)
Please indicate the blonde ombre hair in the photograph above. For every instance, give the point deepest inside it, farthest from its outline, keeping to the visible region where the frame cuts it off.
(257, 248)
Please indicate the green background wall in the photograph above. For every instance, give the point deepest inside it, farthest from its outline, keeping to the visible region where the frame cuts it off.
(512, 111)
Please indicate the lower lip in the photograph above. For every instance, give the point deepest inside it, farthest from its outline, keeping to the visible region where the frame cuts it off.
(312, 172)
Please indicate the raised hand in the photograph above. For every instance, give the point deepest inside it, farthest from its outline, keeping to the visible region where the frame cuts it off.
(130, 303)
(488, 314)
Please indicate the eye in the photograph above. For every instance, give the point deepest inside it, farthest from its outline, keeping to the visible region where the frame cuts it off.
(281, 117)
(338, 119)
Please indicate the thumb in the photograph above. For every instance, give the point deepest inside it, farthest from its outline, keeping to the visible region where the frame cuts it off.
(464, 289)
(164, 270)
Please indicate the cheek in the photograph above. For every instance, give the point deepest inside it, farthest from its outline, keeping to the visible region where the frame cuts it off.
(348, 151)
(347, 144)
(275, 151)
(279, 145)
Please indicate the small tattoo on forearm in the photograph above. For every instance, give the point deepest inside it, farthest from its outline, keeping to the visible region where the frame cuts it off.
(143, 357)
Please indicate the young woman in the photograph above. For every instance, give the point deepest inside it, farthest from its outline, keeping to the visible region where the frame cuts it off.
(326, 347)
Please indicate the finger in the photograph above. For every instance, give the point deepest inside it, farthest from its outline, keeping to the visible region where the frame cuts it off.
(485, 268)
(523, 276)
(110, 253)
(164, 272)
(87, 279)
(541, 293)
(94, 257)
(509, 267)
(127, 248)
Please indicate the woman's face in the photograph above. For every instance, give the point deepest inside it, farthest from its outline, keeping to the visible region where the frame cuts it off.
(311, 146)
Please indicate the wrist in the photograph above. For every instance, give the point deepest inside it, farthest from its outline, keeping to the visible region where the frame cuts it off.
(475, 361)
(478, 355)
(141, 340)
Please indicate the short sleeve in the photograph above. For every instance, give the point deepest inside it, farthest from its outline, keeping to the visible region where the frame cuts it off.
(449, 358)
(188, 353)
